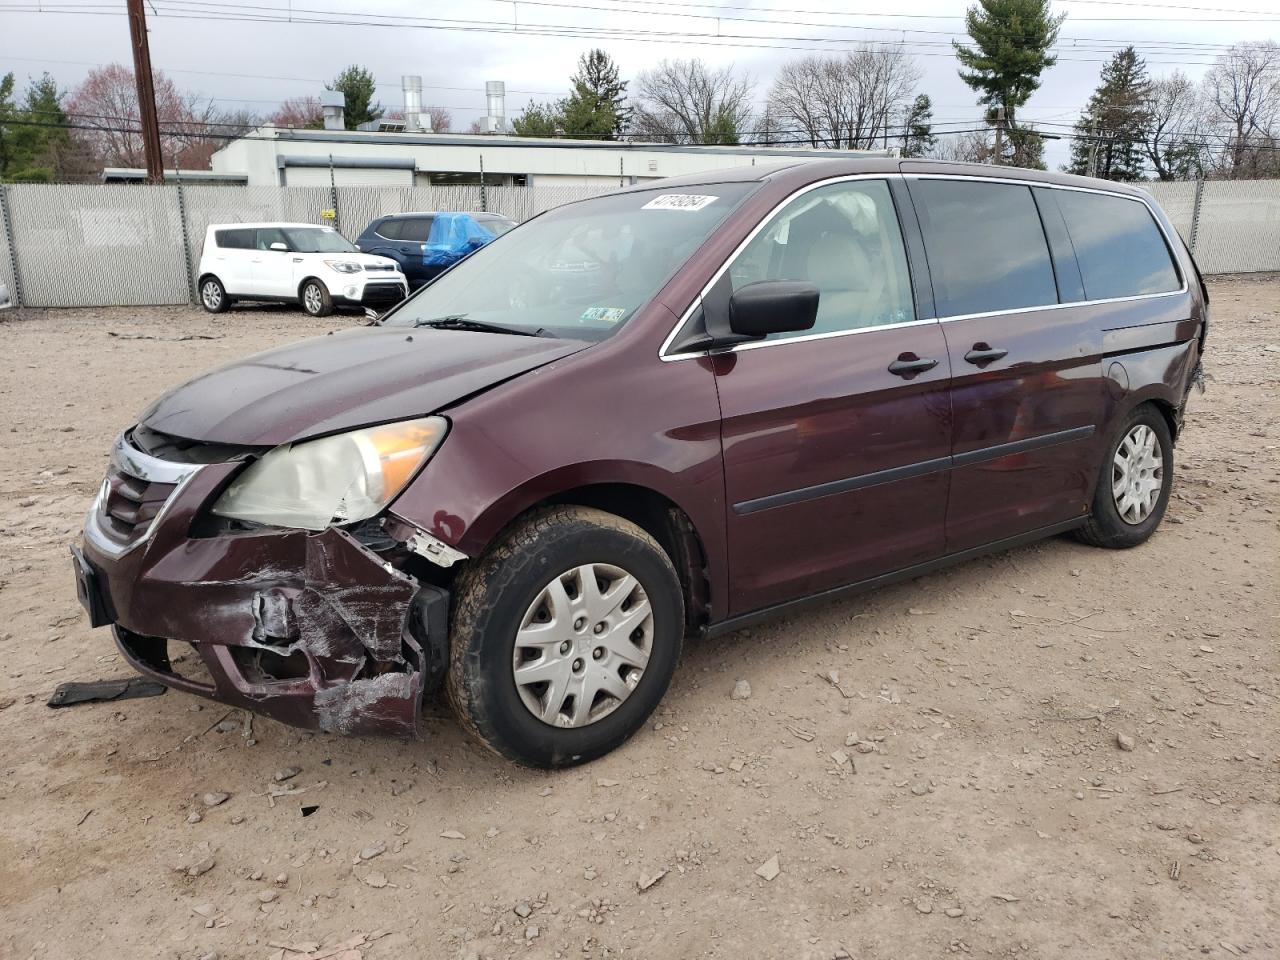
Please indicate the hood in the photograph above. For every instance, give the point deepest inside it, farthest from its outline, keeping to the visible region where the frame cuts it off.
(344, 381)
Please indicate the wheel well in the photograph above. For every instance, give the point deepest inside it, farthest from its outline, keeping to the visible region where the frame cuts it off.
(305, 280)
(666, 523)
(1170, 415)
(206, 276)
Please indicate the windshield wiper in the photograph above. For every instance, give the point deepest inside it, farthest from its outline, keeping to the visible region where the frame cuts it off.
(461, 321)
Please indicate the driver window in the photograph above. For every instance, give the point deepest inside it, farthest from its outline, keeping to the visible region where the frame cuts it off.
(269, 235)
(844, 239)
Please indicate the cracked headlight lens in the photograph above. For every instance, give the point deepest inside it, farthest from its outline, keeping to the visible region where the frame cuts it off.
(338, 479)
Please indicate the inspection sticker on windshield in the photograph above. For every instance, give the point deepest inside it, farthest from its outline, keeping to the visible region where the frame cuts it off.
(678, 201)
(603, 314)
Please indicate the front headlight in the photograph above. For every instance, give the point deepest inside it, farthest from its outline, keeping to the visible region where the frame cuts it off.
(339, 479)
(343, 266)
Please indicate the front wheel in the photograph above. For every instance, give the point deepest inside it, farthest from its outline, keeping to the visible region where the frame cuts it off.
(316, 300)
(565, 637)
(1134, 484)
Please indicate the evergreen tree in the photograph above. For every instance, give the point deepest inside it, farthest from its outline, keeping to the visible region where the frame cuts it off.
(358, 86)
(597, 106)
(33, 135)
(1110, 133)
(1010, 50)
(539, 120)
(918, 139)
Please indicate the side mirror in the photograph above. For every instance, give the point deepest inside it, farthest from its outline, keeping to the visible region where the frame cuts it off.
(773, 306)
(282, 247)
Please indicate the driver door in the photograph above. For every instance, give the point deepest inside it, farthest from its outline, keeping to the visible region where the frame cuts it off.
(273, 269)
(836, 440)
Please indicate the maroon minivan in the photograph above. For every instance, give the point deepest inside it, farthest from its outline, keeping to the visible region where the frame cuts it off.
(664, 412)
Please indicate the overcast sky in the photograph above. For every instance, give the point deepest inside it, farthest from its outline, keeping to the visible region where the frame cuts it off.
(457, 46)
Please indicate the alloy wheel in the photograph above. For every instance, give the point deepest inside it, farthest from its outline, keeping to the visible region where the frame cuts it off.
(583, 645)
(311, 299)
(211, 294)
(1137, 474)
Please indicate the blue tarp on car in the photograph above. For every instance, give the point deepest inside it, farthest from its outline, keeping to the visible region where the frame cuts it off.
(452, 237)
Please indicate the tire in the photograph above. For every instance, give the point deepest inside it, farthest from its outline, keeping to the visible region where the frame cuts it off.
(495, 601)
(1108, 526)
(315, 299)
(213, 295)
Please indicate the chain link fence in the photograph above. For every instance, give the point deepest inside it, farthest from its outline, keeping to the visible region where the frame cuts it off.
(89, 245)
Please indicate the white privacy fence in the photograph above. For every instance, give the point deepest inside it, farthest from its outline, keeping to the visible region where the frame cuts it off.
(103, 244)
(64, 245)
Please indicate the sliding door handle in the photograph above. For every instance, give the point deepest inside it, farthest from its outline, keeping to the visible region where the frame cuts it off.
(984, 353)
(908, 365)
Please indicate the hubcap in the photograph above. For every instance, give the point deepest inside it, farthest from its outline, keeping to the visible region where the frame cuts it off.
(212, 295)
(583, 645)
(1137, 474)
(311, 298)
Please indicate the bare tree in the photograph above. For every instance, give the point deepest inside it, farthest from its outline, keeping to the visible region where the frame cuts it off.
(849, 102)
(441, 119)
(1242, 91)
(105, 105)
(299, 112)
(685, 101)
(1174, 135)
(975, 146)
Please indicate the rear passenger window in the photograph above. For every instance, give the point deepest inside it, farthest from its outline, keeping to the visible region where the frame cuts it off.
(389, 229)
(1118, 245)
(415, 231)
(234, 239)
(845, 240)
(985, 245)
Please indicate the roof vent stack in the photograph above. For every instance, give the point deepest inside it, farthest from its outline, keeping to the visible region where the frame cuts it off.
(334, 105)
(415, 121)
(495, 95)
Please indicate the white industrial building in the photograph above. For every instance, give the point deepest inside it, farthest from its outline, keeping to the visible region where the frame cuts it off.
(403, 153)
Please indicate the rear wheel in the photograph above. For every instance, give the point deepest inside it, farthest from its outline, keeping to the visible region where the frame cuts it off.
(565, 637)
(1134, 484)
(315, 299)
(213, 296)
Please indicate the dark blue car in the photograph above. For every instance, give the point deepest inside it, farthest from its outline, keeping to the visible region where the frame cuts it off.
(425, 244)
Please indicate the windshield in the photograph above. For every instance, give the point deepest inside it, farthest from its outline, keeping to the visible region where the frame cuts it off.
(318, 240)
(581, 270)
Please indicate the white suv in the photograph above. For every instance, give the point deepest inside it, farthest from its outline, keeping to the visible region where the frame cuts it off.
(297, 263)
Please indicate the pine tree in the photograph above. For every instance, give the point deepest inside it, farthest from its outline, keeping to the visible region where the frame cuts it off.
(918, 139)
(539, 120)
(1110, 133)
(597, 106)
(358, 86)
(1011, 41)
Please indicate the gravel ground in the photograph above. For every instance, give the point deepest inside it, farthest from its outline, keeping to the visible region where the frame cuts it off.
(1053, 752)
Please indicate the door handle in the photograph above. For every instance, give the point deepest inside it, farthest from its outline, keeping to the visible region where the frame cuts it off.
(297, 259)
(908, 365)
(984, 353)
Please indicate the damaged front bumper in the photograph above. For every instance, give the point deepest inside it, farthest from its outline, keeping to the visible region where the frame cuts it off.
(317, 630)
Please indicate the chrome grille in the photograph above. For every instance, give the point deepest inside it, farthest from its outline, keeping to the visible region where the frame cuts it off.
(137, 490)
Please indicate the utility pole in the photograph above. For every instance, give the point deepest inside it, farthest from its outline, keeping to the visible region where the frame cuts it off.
(1093, 149)
(999, 158)
(146, 91)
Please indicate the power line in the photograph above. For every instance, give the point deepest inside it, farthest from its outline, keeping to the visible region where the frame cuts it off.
(224, 13)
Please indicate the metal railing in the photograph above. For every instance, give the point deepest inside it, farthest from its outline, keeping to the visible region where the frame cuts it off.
(83, 245)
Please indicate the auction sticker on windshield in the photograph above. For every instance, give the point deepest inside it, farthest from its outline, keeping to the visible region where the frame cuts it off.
(603, 314)
(678, 201)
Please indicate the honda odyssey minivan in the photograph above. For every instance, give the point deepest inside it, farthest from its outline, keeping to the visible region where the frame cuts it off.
(657, 414)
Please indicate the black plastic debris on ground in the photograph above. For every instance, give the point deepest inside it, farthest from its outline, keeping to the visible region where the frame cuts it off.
(69, 694)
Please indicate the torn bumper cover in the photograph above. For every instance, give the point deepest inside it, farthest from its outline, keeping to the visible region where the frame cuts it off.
(316, 630)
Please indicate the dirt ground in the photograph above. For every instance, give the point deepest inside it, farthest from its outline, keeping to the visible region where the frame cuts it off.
(962, 791)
